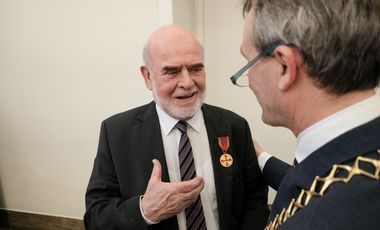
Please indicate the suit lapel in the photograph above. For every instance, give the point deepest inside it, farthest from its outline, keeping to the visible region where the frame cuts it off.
(148, 142)
(223, 176)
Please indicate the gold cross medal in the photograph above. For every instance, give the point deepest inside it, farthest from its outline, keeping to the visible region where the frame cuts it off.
(225, 159)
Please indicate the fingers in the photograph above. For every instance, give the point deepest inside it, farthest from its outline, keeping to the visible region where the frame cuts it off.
(157, 171)
(196, 183)
(153, 194)
(189, 185)
(193, 186)
(190, 190)
(258, 148)
(165, 199)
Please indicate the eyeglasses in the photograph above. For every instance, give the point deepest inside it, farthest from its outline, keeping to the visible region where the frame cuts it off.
(237, 79)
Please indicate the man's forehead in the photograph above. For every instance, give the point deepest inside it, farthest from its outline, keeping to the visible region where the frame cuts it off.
(177, 52)
(176, 58)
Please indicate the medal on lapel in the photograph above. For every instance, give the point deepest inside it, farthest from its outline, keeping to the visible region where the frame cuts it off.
(225, 159)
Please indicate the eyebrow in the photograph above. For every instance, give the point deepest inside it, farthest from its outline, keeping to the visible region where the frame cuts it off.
(171, 68)
(178, 68)
(197, 65)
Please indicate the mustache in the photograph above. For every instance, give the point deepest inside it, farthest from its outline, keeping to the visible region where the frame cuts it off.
(187, 93)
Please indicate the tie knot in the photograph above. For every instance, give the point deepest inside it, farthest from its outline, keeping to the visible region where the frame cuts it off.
(182, 126)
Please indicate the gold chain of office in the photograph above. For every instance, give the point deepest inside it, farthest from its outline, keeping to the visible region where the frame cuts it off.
(321, 184)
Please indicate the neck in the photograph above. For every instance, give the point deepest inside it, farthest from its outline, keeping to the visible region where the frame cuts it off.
(320, 105)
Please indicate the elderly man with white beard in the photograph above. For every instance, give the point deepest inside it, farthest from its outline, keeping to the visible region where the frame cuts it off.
(204, 175)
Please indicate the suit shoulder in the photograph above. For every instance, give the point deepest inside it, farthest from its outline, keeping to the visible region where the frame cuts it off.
(129, 115)
(222, 112)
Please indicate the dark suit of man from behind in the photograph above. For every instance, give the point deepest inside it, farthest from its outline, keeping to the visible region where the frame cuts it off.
(317, 75)
(127, 191)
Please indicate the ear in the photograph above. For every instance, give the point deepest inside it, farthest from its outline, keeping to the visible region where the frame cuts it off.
(286, 56)
(146, 75)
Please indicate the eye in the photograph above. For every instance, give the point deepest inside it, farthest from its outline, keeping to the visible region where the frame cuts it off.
(196, 70)
(171, 73)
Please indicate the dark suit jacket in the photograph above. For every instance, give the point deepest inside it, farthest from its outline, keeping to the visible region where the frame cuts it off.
(354, 205)
(128, 143)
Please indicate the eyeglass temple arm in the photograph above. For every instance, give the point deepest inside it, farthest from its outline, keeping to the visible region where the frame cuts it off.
(265, 52)
(247, 66)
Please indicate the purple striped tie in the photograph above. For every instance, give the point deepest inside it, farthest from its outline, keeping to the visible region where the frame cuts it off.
(195, 219)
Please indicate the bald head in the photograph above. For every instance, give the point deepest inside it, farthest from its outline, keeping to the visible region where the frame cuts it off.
(170, 39)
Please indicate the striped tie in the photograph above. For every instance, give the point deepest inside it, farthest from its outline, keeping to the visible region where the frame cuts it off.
(195, 219)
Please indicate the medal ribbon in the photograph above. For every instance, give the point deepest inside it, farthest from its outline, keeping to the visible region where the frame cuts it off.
(224, 143)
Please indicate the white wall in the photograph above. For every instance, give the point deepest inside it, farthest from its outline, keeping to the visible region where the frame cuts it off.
(65, 65)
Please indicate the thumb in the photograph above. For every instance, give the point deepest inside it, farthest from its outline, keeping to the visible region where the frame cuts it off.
(157, 170)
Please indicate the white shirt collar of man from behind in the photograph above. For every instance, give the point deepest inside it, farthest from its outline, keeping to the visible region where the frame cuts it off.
(331, 127)
(335, 125)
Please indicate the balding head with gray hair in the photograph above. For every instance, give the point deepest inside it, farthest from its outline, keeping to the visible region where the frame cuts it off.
(171, 30)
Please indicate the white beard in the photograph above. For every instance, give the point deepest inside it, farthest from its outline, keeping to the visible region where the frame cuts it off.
(177, 112)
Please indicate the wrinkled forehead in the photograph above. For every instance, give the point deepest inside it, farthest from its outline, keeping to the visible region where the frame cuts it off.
(176, 51)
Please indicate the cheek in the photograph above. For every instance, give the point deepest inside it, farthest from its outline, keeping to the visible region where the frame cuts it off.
(252, 79)
(257, 83)
(166, 89)
(258, 75)
(200, 83)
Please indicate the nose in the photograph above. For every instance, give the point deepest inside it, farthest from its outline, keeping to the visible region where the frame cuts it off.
(186, 81)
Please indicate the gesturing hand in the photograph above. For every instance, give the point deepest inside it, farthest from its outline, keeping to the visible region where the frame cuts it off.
(163, 200)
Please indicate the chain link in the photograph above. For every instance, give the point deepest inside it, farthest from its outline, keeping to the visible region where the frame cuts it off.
(321, 184)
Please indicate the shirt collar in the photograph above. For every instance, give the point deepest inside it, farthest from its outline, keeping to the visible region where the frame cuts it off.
(333, 126)
(167, 122)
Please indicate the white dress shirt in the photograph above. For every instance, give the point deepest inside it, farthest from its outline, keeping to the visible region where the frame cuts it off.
(331, 127)
(196, 130)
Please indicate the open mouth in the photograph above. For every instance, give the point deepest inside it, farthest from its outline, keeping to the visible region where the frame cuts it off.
(186, 97)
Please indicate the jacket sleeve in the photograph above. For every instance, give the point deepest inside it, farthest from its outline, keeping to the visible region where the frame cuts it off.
(105, 208)
(274, 170)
